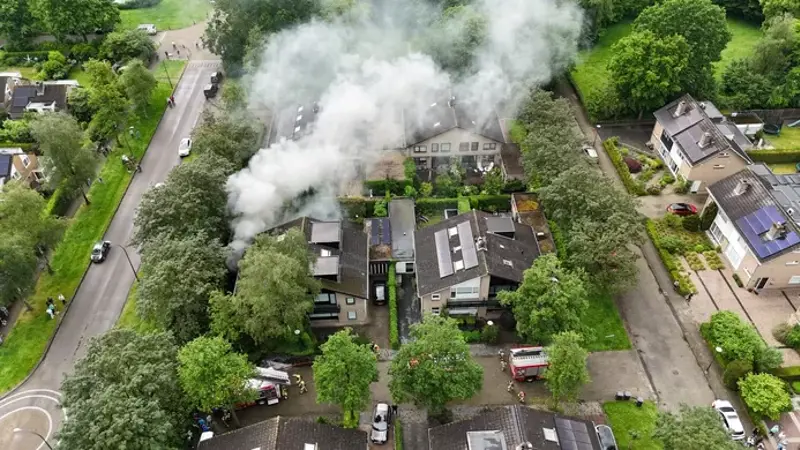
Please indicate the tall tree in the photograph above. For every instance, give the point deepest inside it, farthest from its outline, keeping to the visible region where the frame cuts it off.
(774, 8)
(493, 181)
(435, 367)
(274, 292)
(107, 99)
(692, 428)
(178, 276)
(121, 46)
(550, 300)
(17, 23)
(646, 69)
(213, 375)
(67, 161)
(231, 137)
(774, 53)
(602, 250)
(743, 87)
(138, 83)
(454, 39)
(125, 394)
(705, 29)
(22, 211)
(567, 372)
(77, 17)
(18, 264)
(343, 374)
(192, 200)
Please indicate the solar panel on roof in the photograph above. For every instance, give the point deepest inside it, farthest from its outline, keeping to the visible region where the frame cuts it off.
(573, 435)
(468, 253)
(374, 237)
(759, 222)
(5, 165)
(386, 232)
(443, 253)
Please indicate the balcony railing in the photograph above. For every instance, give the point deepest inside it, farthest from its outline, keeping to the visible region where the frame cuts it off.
(473, 303)
(320, 308)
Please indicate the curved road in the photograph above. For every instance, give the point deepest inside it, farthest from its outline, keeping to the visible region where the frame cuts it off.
(101, 297)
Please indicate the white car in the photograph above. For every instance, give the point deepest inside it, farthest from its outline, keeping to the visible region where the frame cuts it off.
(589, 151)
(729, 419)
(148, 28)
(185, 147)
(380, 424)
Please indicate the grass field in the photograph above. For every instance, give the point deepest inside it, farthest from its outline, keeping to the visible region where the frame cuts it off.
(26, 72)
(783, 168)
(604, 328)
(591, 70)
(167, 15)
(627, 421)
(27, 340)
(789, 139)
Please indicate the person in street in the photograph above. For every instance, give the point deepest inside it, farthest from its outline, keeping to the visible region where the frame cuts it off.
(774, 430)
(502, 365)
(297, 378)
(521, 396)
(174, 46)
(510, 387)
(303, 389)
(172, 99)
(285, 393)
(501, 354)
(50, 313)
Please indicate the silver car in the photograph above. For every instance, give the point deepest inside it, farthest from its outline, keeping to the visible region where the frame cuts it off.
(185, 147)
(380, 424)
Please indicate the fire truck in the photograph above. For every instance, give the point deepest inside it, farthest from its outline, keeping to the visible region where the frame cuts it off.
(268, 382)
(527, 363)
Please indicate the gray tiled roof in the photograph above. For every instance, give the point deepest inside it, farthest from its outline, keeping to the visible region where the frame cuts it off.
(23, 95)
(674, 125)
(440, 116)
(520, 252)
(403, 222)
(286, 122)
(517, 423)
(287, 433)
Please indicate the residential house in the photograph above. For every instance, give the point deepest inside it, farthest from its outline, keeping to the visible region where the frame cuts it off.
(698, 143)
(392, 239)
(43, 96)
(341, 266)
(463, 262)
(7, 82)
(757, 226)
(15, 164)
(287, 433)
(516, 428)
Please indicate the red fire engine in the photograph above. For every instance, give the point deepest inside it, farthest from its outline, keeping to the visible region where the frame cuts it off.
(527, 363)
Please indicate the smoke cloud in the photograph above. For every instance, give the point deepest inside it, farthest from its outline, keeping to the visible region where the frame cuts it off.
(368, 74)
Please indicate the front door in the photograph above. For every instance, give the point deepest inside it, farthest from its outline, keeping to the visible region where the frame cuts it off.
(761, 282)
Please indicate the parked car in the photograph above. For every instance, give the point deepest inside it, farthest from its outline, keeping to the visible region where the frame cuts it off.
(148, 28)
(185, 147)
(216, 78)
(100, 251)
(380, 424)
(606, 437)
(380, 293)
(682, 209)
(590, 152)
(210, 91)
(729, 419)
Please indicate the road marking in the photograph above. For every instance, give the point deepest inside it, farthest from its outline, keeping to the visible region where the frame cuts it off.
(35, 408)
(28, 391)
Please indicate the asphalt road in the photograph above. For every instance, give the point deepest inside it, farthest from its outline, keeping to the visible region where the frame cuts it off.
(101, 297)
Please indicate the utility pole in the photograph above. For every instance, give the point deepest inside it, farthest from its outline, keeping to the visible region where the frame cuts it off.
(164, 65)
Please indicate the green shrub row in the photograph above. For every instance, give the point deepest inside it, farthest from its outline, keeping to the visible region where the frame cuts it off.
(713, 260)
(633, 186)
(22, 58)
(491, 203)
(395, 187)
(25, 146)
(775, 156)
(685, 285)
(471, 336)
(432, 205)
(398, 435)
(394, 333)
(463, 205)
(738, 340)
(558, 239)
(357, 208)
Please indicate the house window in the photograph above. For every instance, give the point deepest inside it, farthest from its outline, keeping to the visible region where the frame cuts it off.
(458, 265)
(445, 147)
(434, 147)
(324, 252)
(435, 297)
(350, 300)
(420, 148)
(508, 263)
(26, 161)
(436, 311)
(351, 315)
(474, 146)
(326, 298)
(794, 280)
(452, 231)
(716, 233)
(724, 155)
(16, 176)
(38, 175)
(452, 293)
(422, 163)
(719, 166)
(792, 263)
(490, 146)
(463, 147)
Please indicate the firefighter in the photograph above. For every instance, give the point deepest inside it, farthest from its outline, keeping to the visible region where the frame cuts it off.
(303, 389)
(297, 378)
(285, 393)
(521, 396)
(510, 387)
(501, 354)
(502, 366)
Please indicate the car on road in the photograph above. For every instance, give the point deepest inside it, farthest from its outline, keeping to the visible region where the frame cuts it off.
(185, 147)
(729, 419)
(590, 152)
(210, 91)
(148, 28)
(380, 424)
(100, 251)
(216, 78)
(682, 209)
(380, 293)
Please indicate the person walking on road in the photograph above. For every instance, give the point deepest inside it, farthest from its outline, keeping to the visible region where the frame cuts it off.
(502, 365)
(501, 354)
(521, 396)
(297, 378)
(303, 389)
(510, 387)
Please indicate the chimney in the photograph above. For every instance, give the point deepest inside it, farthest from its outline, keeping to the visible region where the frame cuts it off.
(705, 140)
(681, 108)
(776, 231)
(39, 88)
(480, 243)
(741, 187)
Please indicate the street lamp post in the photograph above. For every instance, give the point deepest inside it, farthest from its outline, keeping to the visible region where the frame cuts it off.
(596, 134)
(164, 65)
(22, 430)
(717, 349)
(130, 263)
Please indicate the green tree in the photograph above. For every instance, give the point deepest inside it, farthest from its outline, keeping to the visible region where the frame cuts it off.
(446, 186)
(567, 372)
(233, 138)
(121, 46)
(78, 104)
(774, 53)
(107, 99)
(493, 181)
(646, 69)
(774, 8)
(743, 88)
(343, 374)
(453, 40)
(18, 264)
(22, 211)
(693, 428)
(765, 395)
(63, 18)
(435, 367)
(193, 200)
(55, 68)
(125, 394)
(550, 300)
(425, 189)
(67, 161)
(17, 23)
(234, 97)
(274, 293)
(138, 84)
(178, 276)
(213, 375)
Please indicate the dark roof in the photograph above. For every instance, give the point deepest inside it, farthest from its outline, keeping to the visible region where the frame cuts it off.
(520, 252)
(286, 433)
(24, 95)
(445, 114)
(517, 424)
(403, 222)
(760, 196)
(512, 160)
(5, 165)
(293, 122)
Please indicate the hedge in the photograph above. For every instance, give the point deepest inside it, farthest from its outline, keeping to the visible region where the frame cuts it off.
(430, 206)
(685, 284)
(634, 187)
(394, 333)
(398, 435)
(775, 156)
(492, 203)
(357, 208)
(25, 146)
(558, 239)
(463, 205)
(21, 58)
(396, 187)
(136, 4)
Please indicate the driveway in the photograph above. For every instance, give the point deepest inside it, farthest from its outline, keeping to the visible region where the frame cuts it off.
(100, 298)
(409, 310)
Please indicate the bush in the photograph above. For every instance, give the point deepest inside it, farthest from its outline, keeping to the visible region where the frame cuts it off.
(514, 185)
(623, 170)
(357, 208)
(737, 339)
(430, 206)
(381, 208)
(135, 4)
(766, 395)
(490, 334)
(666, 179)
(793, 337)
(394, 332)
(425, 189)
(713, 260)
(472, 336)
(398, 435)
(734, 372)
(558, 239)
(396, 187)
(463, 205)
(683, 185)
(673, 221)
(653, 190)
(55, 68)
(491, 203)
(672, 244)
(768, 359)
(708, 216)
(83, 52)
(410, 192)
(647, 175)
(775, 156)
(781, 332)
(691, 223)
(695, 263)
(24, 59)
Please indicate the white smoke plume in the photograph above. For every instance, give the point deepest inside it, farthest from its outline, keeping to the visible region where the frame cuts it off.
(367, 76)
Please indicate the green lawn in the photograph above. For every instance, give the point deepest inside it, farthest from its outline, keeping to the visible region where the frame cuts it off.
(604, 328)
(789, 139)
(591, 70)
(27, 340)
(783, 168)
(26, 72)
(627, 420)
(167, 15)
(78, 74)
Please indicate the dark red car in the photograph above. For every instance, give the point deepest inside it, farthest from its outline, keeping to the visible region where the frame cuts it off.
(682, 209)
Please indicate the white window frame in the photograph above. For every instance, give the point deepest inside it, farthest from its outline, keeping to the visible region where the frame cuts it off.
(490, 146)
(444, 147)
(25, 161)
(436, 311)
(436, 297)
(794, 280)
(420, 148)
(350, 300)
(16, 176)
(352, 315)
(324, 252)
(474, 146)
